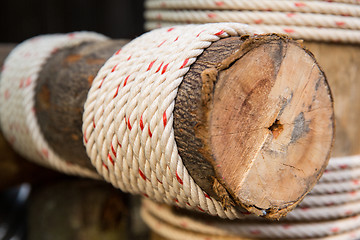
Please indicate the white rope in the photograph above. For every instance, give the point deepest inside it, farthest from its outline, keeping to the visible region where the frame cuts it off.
(171, 232)
(307, 33)
(128, 119)
(321, 7)
(342, 175)
(308, 20)
(330, 199)
(334, 214)
(339, 163)
(17, 106)
(255, 17)
(324, 212)
(217, 228)
(336, 187)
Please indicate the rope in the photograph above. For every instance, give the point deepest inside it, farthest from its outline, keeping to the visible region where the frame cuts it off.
(172, 232)
(330, 199)
(17, 106)
(321, 7)
(128, 120)
(129, 137)
(256, 17)
(335, 21)
(163, 220)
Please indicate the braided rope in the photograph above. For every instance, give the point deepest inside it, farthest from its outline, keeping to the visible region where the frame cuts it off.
(308, 20)
(128, 120)
(17, 106)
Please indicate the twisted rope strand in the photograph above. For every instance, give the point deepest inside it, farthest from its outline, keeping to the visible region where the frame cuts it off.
(307, 33)
(330, 199)
(335, 21)
(165, 217)
(171, 232)
(255, 17)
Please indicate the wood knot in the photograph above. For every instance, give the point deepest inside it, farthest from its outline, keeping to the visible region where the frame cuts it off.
(276, 128)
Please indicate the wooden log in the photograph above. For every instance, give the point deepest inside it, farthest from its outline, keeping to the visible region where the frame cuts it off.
(60, 101)
(261, 137)
(248, 116)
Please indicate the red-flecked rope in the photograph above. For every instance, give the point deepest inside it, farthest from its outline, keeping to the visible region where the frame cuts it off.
(331, 21)
(128, 118)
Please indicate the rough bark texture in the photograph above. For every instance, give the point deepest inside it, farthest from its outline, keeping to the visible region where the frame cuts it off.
(187, 115)
(62, 88)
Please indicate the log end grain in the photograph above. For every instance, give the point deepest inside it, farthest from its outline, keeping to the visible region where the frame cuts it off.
(264, 125)
(271, 126)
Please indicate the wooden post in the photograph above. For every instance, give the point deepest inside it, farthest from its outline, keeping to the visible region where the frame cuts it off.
(253, 118)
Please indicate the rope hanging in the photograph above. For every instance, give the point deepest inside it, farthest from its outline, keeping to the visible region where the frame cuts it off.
(333, 21)
(17, 112)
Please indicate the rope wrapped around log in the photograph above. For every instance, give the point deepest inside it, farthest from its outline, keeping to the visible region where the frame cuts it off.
(216, 118)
